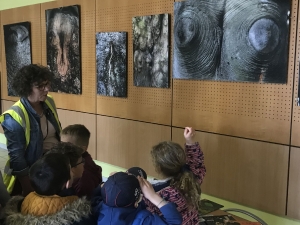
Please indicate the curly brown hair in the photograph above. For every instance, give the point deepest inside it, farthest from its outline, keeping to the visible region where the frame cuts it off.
(169, 160)
(29, 75)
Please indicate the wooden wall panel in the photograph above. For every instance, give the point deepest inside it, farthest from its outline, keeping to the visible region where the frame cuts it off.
(67, 117)
(85, 102)
(249, 172)
(249, 110)
(127, 143)
(295, 140)
(16, 15)
(144, 104)
(5, 105)
(293, 205)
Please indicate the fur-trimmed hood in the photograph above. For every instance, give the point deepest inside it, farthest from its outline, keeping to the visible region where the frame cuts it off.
(72, 213)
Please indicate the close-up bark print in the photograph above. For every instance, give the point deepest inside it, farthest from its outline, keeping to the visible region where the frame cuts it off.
(231, 40)
(63, 48)
(17, 50)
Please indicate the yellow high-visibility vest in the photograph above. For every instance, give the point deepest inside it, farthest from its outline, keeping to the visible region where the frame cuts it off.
(20, 115)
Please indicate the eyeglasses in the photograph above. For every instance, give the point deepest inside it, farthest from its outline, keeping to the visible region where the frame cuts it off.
(43, 86)
(82, 161)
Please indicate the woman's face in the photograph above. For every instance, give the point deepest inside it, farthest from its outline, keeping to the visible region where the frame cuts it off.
(39, 91)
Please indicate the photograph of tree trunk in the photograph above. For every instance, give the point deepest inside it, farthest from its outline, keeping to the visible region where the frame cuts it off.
(231, 40)
(151, 51)
(111, 58)
(17, 50)
(63, 48)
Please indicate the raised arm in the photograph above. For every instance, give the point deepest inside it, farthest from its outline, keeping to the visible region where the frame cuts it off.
(194, 154)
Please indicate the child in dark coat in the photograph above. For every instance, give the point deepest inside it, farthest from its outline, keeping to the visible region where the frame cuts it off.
(121, 195)
(48, 176)
(79, 135)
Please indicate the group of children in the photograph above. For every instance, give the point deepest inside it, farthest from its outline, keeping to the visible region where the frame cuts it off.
(68, 187)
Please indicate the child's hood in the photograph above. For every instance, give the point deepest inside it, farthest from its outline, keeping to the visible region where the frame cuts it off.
(71, 213)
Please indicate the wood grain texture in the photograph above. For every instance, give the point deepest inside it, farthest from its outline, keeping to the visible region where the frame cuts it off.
(295, 140)
(294, 185)
(249, 172)
(127, 143)
(67, 117)
(23, 14)
(143, 103)
(85, 102)
(248, 110)
(5, 105)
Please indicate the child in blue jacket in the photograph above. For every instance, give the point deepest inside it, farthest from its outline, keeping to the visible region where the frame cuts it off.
(121, 195)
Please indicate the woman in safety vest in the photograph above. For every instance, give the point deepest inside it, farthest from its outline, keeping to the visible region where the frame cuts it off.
(31, 126)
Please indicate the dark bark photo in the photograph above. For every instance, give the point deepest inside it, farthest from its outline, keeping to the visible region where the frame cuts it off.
(63, 48)
(111, 58)
(231, 40)
(17, 50)
(151, 51)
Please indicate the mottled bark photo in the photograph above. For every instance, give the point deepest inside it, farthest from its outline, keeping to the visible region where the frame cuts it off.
(17, 50)
(151, 51)
(63, 48)
(111, 58)
(231, 40)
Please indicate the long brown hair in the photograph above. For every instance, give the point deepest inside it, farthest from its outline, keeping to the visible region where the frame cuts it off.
(170, 160)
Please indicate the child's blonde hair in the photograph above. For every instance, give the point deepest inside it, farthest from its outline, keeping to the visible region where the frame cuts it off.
(80, 132)
(170, 160)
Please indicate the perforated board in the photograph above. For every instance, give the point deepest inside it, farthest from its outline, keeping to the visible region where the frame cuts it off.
(85, 102)
(16, 15)
(252, 110)
(144, 104)
(295, 141)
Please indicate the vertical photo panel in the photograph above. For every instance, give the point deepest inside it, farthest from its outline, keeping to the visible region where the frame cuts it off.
(151, 51)
(111, 59)
(17, 50)
(63, 48)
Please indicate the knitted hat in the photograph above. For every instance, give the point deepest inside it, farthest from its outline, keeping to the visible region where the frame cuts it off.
(121, 190)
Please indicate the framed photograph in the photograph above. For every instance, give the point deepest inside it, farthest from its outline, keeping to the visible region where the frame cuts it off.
(63, 48)
(151, 51)
(111, 58)
(17, 44)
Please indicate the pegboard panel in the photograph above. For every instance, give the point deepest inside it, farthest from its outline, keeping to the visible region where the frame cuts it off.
(251, 173)
(252, 110)
(142, 103)
(85, 102)
(295, 140)
(23, 14)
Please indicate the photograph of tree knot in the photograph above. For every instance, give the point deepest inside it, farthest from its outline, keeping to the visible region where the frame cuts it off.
(111, 58)
(17, 50)
(151, 51)
(231, 40)
(63, 48)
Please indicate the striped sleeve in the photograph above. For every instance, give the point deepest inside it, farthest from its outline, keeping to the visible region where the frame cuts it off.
(195, 159)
